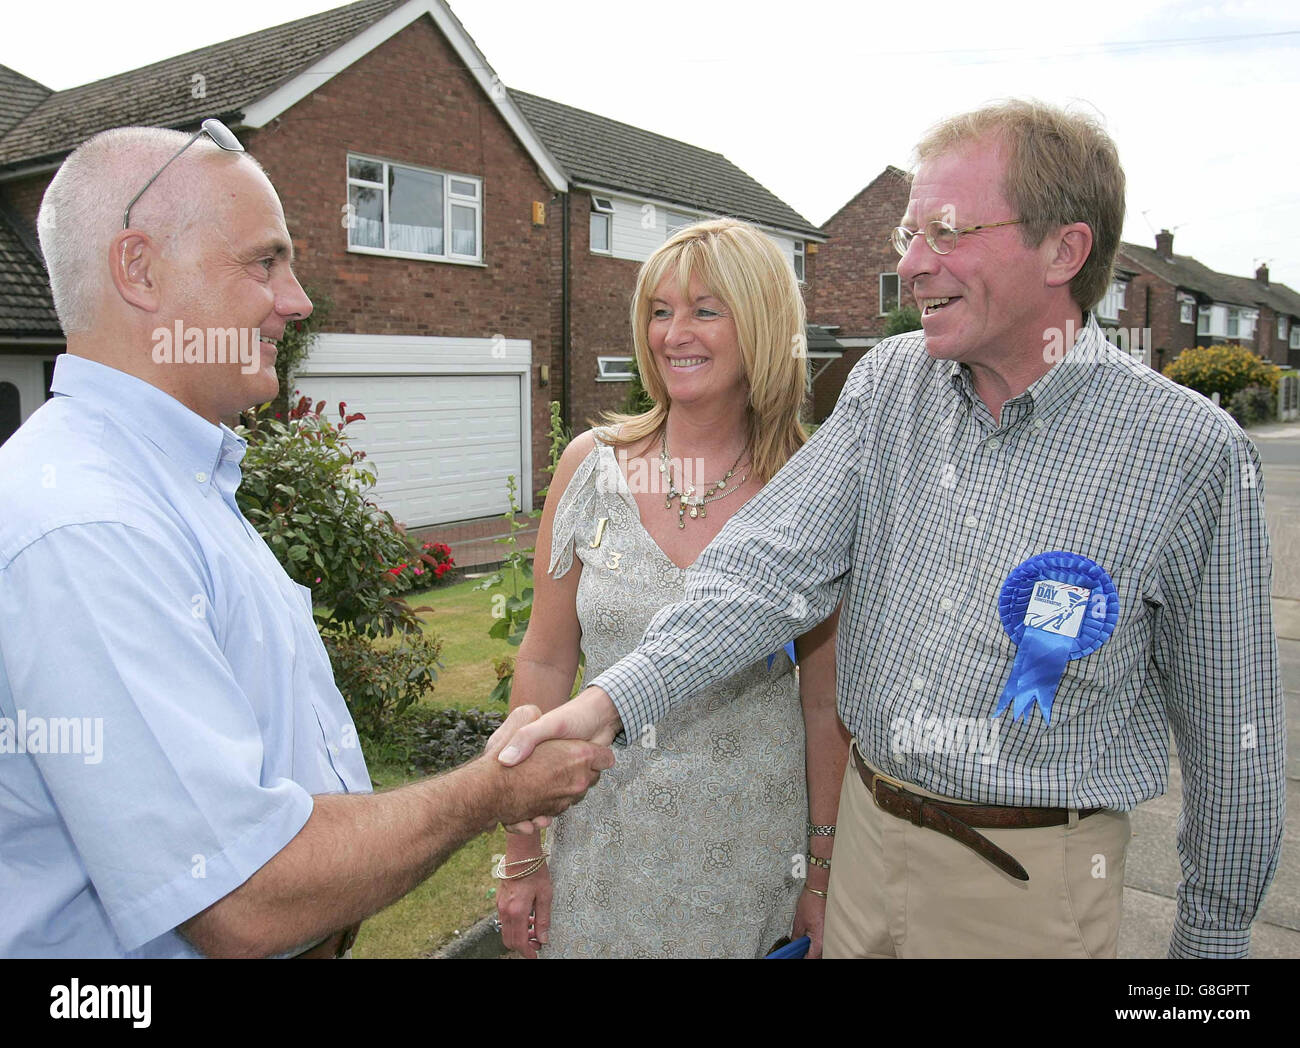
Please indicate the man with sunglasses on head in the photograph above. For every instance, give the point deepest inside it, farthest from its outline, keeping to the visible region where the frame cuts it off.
(224, 808)
(1050, 557)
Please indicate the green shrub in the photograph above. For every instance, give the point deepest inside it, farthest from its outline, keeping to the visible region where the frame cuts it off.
(1252, 405)
(1224, 370)
(305, 490)
(902, 319)
(380, 683)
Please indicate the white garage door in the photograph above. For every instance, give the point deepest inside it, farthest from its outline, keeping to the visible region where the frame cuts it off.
(442, 445)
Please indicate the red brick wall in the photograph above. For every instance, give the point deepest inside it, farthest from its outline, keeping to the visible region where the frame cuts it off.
(846, 293)
(600, 289)
(847, 290)
(412, 101)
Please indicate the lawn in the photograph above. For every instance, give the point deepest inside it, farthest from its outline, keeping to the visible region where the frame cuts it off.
(462, 890)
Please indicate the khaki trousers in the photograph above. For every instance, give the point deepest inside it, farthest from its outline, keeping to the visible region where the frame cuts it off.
(899, 890)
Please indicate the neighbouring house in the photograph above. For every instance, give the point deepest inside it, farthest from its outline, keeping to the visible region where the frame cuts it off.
(1183, 303)
(479, 245)
(857, 281)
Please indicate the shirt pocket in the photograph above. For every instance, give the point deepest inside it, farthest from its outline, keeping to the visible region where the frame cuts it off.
(1125, 652)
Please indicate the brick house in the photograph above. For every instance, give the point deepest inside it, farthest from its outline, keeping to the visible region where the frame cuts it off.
(449, 220)
(857, 281)
(1184, 303)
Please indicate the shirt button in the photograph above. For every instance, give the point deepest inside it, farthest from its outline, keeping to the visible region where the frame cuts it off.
(334, 749)
(1036, 425)
(918, 683)
(201, 477)
(946, 604)
(971, 520)
(994, 444)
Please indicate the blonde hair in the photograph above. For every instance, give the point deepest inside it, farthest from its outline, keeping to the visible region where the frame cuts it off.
(742, 266)
(1061, 167)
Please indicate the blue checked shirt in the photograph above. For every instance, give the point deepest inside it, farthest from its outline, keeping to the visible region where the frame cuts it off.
(913, 505)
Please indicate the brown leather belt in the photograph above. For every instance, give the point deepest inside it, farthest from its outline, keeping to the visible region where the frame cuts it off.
(334, 947)
(957, 820)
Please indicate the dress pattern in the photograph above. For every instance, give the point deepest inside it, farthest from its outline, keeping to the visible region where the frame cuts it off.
(687, 846)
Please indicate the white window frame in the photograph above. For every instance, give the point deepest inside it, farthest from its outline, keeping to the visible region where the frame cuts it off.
(1203, 320)
(1113, 301)
(1249, 324)
(449, 199)
(1234, 320)
(1186, 309)
(1295, 335)
(898, 293)
(800, 261)
(1281, 327)
(602, 208)
(611, 369)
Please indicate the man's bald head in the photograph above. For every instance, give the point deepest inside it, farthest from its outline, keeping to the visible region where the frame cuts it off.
(82, 208)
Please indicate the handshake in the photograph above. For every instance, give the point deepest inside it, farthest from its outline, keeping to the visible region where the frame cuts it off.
(546, 762)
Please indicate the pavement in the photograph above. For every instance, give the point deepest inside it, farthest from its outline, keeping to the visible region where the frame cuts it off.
(1152, 872)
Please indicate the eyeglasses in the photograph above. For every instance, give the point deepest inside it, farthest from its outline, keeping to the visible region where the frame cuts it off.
(941, 237)
(215, 130)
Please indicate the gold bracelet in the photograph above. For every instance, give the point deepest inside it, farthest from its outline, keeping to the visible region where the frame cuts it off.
(521, 862)
(820, 895)
(825, 864)
(499, 873)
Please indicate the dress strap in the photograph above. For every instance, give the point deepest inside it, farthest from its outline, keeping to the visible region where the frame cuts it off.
(577, 505)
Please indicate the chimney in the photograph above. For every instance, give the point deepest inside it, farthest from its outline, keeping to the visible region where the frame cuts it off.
(1261, 274)
(1165, 245)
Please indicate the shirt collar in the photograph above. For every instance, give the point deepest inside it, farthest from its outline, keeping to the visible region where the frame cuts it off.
(1054, 390)
(195, 445)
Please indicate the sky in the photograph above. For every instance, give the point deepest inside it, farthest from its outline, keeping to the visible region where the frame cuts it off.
(813, 99)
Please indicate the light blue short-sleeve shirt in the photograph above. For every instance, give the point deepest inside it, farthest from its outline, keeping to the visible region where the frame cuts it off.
(167, 709)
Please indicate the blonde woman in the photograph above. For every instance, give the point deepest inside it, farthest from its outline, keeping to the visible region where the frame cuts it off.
(696, 842)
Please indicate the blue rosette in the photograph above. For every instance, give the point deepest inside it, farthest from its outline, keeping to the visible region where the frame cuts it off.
(1055, 607)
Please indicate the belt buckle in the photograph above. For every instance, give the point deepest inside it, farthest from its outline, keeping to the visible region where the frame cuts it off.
(878, 777)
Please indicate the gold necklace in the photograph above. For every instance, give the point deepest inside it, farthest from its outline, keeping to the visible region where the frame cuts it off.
(689, 501)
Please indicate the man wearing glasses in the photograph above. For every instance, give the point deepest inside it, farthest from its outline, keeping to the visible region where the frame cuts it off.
(1048, 560)
(213, 799)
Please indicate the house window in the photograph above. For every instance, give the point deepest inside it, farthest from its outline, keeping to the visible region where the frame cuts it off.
(799, 260)
(1113, 301)
(1185, 307)
(602, 221)
(1281, 327)
(613, 369)
(1203, 320)
(1249, 318)
(1234, 322)
(413, 212)
(675, 222)
(889, 297)
(1295, 336)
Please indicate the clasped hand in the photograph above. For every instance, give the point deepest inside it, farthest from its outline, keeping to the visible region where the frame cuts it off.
(589, 716)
